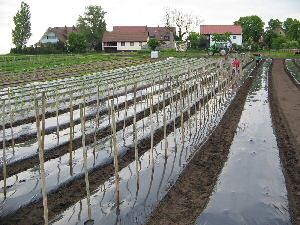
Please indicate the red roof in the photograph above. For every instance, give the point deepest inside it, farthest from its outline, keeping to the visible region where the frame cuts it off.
(160, 32)
(62, 33)
(117, 36)
(220, 29)
(130, 28)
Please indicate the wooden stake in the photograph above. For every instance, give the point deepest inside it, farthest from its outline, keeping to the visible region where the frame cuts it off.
(97, 118)
(165, 120)
(11, 118)
(41, 152)
(57, 123)
(86, 174)
(71, 129)
(3, 152)
(116, 163)
(135, 136)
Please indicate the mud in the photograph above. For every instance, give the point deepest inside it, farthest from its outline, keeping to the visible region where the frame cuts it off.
(285, 98)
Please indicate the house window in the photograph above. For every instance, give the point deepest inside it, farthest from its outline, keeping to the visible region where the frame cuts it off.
(166, 38)
(131, 43)
(51, 37)
(233, 37)
(141, 43)
(122, 43)
(152, 36)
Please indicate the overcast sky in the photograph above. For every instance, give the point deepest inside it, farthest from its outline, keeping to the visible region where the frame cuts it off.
(53, 13)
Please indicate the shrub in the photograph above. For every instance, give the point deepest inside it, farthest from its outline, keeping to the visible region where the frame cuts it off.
(153, 43)
(76, 43)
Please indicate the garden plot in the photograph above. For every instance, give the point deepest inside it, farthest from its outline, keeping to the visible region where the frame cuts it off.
(193, 91)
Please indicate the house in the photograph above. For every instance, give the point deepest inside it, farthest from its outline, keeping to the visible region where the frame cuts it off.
(57, 34)
(134, 38)
(165, 35)
(279, 31)
(236, 32)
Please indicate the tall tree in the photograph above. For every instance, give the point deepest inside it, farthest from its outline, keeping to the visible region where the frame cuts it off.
(92, 24)
(273, 24)
(287, 24)
(185, 23)
(293, 32)
(22, 31)
(253, 28)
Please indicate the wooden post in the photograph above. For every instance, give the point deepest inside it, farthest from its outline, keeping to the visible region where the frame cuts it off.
(71, 129)
(135, 136)
(181, 114)
(3, 152)
(126, 106)
(11, 118)
(57, 123)
(41, 152)
(97, 118)
(86, 174)
(165, 120)
(116, 163)
(151, 122)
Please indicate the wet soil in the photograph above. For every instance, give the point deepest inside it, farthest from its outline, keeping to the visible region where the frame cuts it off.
(285, 107)
(190, 194)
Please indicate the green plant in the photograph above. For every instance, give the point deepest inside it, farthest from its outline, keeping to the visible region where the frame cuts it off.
(77, 42)
(153, 43)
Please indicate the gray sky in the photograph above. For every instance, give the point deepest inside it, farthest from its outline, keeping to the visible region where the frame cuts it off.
(53, 13)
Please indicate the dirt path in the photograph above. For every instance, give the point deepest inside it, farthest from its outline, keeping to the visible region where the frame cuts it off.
(189, 196)
(285, 104)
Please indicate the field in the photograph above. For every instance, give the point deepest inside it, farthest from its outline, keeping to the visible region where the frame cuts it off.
(122, 139)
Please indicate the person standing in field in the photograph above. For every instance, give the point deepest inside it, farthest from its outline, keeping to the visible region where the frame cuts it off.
(236, 66)
(257, 59)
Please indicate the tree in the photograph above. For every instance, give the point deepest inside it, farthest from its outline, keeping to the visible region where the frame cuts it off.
(77, 42)
(221, 37)
(153, 43)
(269, 36)
(253, 28)
(194, 39)
(185, 23)
(22, 31)
(293, 32)
(287, 24)
(278, 42)
(92, 24)
(273, 24)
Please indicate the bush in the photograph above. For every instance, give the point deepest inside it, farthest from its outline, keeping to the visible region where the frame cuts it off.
(49, 48)
(153, 43)
(278, 42)
(290, 45)
(76, 43)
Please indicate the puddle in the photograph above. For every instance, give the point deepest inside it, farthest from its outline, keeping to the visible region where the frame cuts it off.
(251, 188)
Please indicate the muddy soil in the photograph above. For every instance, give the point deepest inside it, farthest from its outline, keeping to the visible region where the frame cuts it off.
(285, 107)
(189, 196)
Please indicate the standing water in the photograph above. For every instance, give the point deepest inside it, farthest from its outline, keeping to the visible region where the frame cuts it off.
(251, 188)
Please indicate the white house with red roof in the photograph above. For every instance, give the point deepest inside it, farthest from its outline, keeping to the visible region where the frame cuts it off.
(236, 32)
(57, 34)
(134, 38)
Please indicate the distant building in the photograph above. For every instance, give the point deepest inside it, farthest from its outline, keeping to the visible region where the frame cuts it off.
(57, 34)
(279, 31)
(134, 38)
(236, 32)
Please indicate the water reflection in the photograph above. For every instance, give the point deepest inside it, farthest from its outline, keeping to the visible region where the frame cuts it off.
(251, 188)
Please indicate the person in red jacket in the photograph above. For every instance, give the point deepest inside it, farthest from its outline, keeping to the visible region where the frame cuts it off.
(236, 65)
